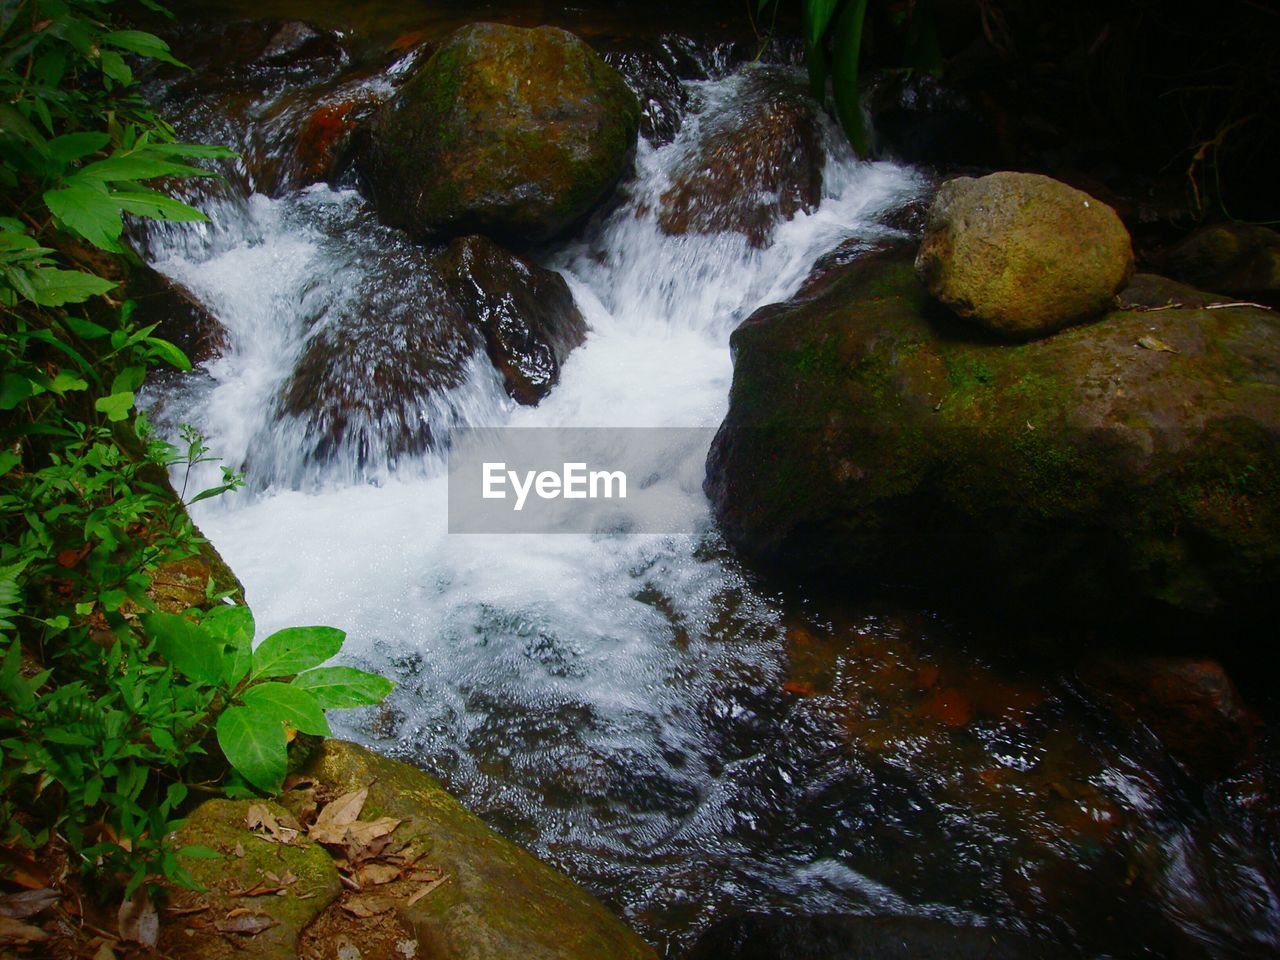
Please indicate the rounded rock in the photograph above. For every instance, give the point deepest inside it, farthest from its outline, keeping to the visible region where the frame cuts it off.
(1022, 254)
(508, 131)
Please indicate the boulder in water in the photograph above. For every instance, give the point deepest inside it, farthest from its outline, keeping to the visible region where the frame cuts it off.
(760, 163)
(1023, 255)
(1108, 474)
(526, 313)
(515, 132)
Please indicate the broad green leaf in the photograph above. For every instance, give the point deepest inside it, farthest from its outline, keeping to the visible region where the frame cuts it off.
(129, 379)
(116, 406)
(14, 389)
(169, 352)
(65, 382)
(817, 14)
(53, 288)
(233, 625)
(844, 75)
(8, 460)
(113, 66)
(73, 146)
(90, 211)
(279, 702)
(336, 688)
(14, 122)
(157, 206)
(141, 43)
(140, 165)
(295, 649)
(85, 329)
(187, 646)
(257, 750)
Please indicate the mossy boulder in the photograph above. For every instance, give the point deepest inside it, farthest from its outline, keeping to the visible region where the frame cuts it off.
(1240, 259)
(1113, 471)
(525, 312)
(509, 131)
(292, 884)
(1021, 254)
(759, 163)
(499, 900)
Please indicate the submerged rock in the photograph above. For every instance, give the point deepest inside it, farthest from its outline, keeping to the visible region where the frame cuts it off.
(1190, 704)
(1240, 259)
(1023, 255)
(760, 163)
(655, 79)
(504, 130)
(527, 314)
(178, 315)
(758, 936)
(1120, 469)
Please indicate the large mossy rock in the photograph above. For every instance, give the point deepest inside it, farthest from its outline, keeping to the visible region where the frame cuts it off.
(1241, 259)
(506, 131)
(525, 312)
(759, 163)
(293, 882)
(1022, 254)
(499, 900)
(1127, 467)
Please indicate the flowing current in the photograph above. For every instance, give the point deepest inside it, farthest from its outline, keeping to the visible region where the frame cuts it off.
(637, 709)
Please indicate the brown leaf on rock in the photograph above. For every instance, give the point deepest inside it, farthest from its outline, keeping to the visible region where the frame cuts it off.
(367, 906)
(334, 818)
(363, 833)
(244, 923)
(375, 874)
(426, 888)
(267, 826)
(28, 903)
(138, 920)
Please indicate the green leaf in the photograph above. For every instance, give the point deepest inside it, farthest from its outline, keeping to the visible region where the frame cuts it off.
(295, 649)
(157, 206)
(74, 146)
(169, 352)
(283, 703)
(138, 165)
(113, 66)
(53, 288)
(233, 625)
(187, 646)
(128, 379)
(844, 75)
(257, 750)
(8, 460)
(116, 406)
(141, 43)
(817, 14)
(90, 211)
(65, 382)
(339, 687)
(14, 389)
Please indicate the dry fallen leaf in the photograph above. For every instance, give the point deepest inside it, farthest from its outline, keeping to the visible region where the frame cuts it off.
(260, 889)
(373, 874)
(275, 829)
(364, 907)
(138, 920)
(28, 903)
(361, 833)
(1152, 343)
(15, 931)
(244, 923)
(334, 818)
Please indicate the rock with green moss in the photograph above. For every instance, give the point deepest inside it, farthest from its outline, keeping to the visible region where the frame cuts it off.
(1107, 474)
(508, 131)
(258, 895)
(1023, 255)
(499, 900)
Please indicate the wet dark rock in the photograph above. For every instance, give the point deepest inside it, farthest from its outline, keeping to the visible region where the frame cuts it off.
(526, 313)
(760, 163)
(1021, 254)
(1190, 704)
(655, 81)
(513, 132)
(371, 382)
(1240, 259)
(756, 936)
(180, 317)
(1114, 472)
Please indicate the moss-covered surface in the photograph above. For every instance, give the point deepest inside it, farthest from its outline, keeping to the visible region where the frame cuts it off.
(505, 130)
(246, 862)
(872, 433)
(499, 900)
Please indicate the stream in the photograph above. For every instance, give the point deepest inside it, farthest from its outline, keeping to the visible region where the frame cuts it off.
(683, 738)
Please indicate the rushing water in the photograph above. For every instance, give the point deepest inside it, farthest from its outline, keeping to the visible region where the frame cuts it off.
(637, 709)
